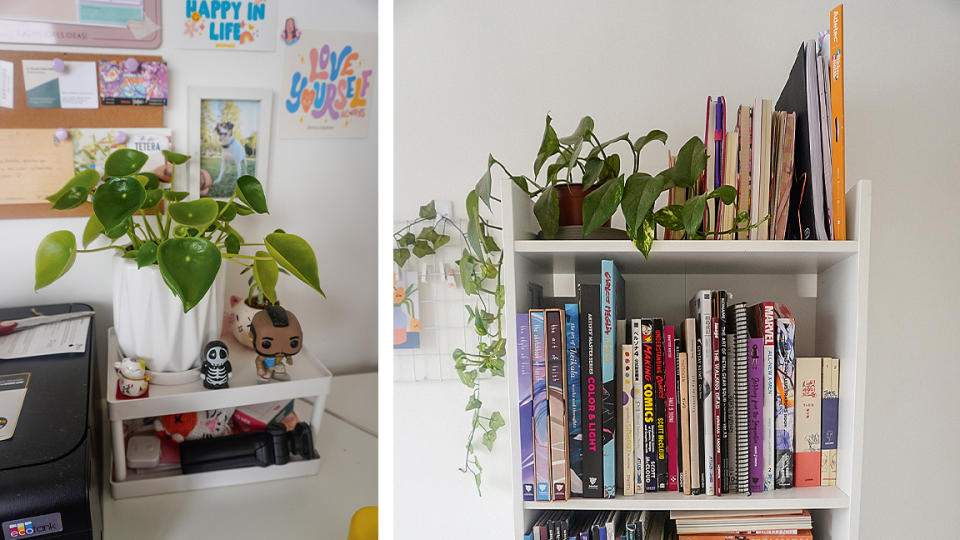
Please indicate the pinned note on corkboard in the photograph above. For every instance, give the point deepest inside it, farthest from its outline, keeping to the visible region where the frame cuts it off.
(22, 116)
(33, 166)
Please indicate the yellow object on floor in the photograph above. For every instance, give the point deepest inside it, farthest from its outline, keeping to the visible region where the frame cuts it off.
(363, 525)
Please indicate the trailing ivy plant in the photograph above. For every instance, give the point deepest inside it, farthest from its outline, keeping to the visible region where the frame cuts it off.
(188, 240)
(480, 264)
(582, 158)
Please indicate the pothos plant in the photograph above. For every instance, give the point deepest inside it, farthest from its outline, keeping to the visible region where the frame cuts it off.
(188, 240)
(480, 264)
(582, 158)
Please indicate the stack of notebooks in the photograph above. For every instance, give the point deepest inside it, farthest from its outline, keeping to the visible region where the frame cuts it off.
(602, 525)
(786, 160)
(743, 525)
(716, 404)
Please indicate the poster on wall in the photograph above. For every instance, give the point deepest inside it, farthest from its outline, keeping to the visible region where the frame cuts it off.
(91, 146)
(406, 307)
(326, 91)
(248, 25)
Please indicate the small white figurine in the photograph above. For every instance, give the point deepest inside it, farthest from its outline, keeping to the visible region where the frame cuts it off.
(133, 377)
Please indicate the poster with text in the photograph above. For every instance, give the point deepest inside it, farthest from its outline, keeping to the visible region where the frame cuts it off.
(248, 25)
(326, 91)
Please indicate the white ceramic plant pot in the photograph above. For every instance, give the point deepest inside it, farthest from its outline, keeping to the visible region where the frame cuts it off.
(151, 325)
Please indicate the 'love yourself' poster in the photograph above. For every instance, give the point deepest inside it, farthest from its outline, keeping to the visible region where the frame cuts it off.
(327, 86)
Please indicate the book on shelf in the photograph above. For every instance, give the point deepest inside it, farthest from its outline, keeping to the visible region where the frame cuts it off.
(830, 409)
(723, 522)
(600, 525)
(557, 404)
(524, 389)
(590, 390)
(716, 404)
(541, 417)
(612, 310)
(837, 122)
(571, 320)
(807, 451)
(784, 397)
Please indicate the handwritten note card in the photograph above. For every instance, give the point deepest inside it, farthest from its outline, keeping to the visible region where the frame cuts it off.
(32, 166)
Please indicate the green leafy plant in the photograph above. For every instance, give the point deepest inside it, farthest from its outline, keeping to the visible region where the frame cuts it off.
(480, 264)
(189, 239)
(582, 158)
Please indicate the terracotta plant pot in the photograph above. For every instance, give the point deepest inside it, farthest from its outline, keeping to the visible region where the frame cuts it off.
(571, 197)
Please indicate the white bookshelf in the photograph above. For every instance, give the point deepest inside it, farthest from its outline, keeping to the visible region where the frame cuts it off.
(823, 282)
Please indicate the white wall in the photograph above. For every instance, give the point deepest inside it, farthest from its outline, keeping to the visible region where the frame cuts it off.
(479, 77)
(323, 190)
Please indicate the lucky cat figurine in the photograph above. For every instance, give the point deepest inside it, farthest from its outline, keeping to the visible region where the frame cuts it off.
(241, 315)
(132, 375)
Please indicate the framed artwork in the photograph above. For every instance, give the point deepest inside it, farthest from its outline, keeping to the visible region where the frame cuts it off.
(229, 136)
(406, 311)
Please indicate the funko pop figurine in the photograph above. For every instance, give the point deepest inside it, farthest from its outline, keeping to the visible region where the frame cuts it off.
(277, 336)
(215, 371)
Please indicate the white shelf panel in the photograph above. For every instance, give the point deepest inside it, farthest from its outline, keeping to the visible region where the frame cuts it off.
(809, 498)
(310, 378)
(691, 256)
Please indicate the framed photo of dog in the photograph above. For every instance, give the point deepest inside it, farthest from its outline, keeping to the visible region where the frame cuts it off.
(229, 136)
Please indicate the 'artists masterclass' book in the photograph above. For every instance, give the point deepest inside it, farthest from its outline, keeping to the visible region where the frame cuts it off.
(590, 390)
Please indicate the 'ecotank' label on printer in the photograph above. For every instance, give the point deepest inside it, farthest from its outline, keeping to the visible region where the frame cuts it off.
(32, 526)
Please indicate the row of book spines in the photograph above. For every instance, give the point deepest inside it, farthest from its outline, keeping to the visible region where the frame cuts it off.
(817, 411)
(800, 535)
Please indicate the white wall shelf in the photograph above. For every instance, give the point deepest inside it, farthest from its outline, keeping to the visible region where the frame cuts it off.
(823, 282)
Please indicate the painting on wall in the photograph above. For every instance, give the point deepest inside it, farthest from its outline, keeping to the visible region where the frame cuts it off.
(327, 83)
(240, 26)
(91, 146)
(406, 311)
(229, 137)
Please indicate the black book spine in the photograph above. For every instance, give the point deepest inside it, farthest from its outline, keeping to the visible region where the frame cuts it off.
(724, 411)
(590, 387)
(649, 409)
(660, 403)
(700, 410)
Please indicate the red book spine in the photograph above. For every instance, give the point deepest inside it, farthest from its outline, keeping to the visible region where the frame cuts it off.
(715, 323)
(673, 467)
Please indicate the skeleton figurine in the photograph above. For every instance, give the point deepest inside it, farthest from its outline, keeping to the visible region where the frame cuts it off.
(216, 370)
(277, 336)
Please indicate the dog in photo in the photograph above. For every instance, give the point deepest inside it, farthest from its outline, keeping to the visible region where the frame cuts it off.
(232, 152)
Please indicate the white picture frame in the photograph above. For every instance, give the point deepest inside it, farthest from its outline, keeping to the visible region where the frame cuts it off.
(248, 148)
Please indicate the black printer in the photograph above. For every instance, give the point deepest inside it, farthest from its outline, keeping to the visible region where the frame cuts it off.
(50, 468)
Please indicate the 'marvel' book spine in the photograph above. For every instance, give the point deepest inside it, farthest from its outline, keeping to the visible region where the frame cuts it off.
(612, 310)
(768, 383)
(649, 410)
(660, 403)
(541, 417)
(591, 424)
(526, 406)
(755, 417)
(784, 402)
(807, 456)
(557, 400)
(673, 464)
(831, 410)
(571, 321)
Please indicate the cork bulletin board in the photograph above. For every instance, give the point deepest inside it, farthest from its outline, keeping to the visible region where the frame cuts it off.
(43, 161)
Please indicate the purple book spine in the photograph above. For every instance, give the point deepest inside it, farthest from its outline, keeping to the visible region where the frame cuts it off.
(541, 417)
(755, 412)
(526, 406)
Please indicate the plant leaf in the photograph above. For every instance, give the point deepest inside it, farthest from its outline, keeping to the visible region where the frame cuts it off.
(468, 378)
(153, 181)
(174, 196)
(295, 254)
(175, 158)
(549, 145)
(147, 254)
(727, 194)
(591, 171)
(489, 438)
(429, 234)
(198, 214)
(441, 240)
(595, 151)
(92, 230)
(473, 403)
(692, 214)
(691, 160)
(421, 249)
(429, 210)
(400, 256)
(266, 273)
(226, 212)
(583, 131)
(547, 211)
(124, 162)
(118, 230)
(117, 200)
(250, 192)
(497, 421)
(55, 255)
(654, 135)
(645, 236)
(483, 187)
(189, 267)
(600, 205)
(232, 244)
(466, 274)
(670, 217)
(639, 197)
(407, 239)
(151, 199)
(75, 191)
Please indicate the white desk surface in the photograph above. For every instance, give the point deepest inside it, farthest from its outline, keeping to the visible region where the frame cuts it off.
(318, 506)
(353, 399)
